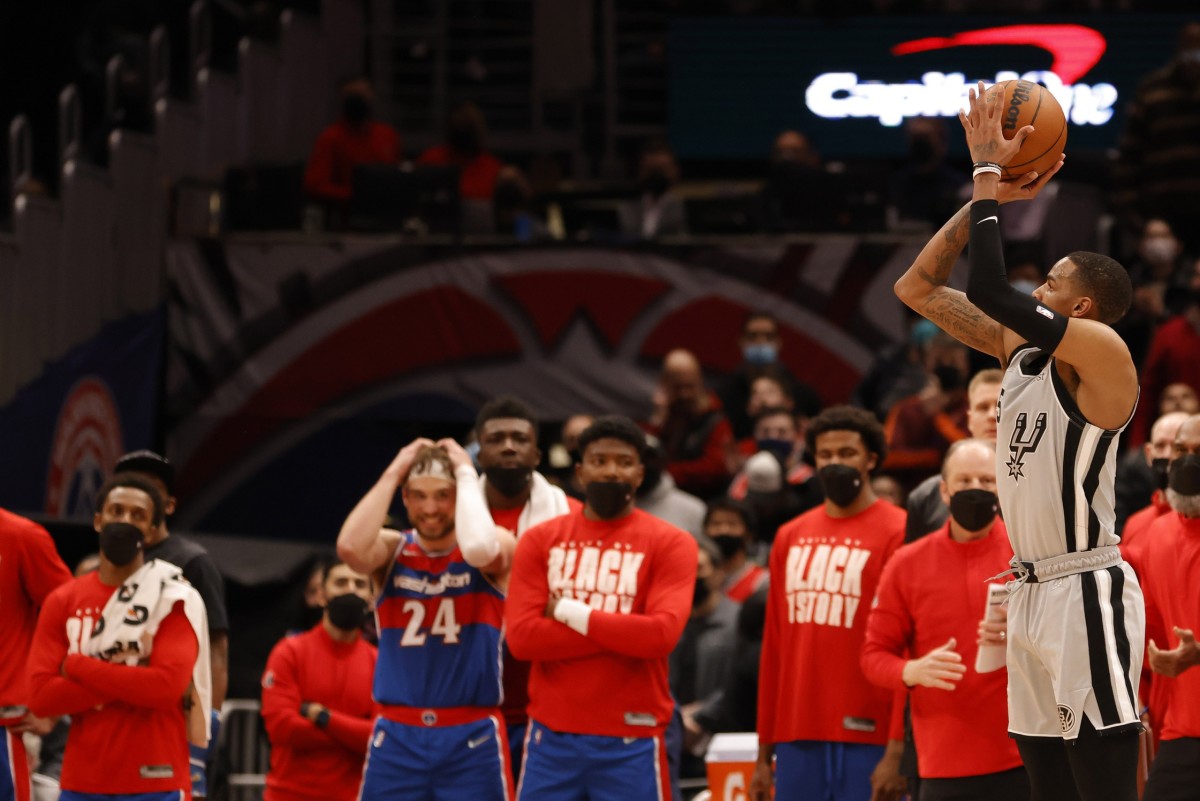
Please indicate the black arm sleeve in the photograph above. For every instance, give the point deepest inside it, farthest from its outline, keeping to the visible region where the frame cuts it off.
(988, 287)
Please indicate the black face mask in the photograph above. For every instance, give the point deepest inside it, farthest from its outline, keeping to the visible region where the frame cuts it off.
(780, 448)
(1160, 467)
(608, 498)
(121, 543)
(346, 612)
(656, 183)
(509, 481)
(729, 546)
(974, 509)
(841, 483)
(356, 109)
(950, 377)
(1184, 475)
(702, 593)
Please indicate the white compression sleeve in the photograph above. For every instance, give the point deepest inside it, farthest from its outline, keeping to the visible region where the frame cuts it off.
(473, 526)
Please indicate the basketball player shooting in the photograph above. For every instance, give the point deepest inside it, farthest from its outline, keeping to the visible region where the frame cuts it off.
(1076, 618)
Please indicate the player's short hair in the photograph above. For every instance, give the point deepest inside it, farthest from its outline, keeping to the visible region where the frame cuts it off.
(431, 460)
(132, 482)
(506, 406)
(1105, 281)
(724, 503)
(150, 463)
(959, 444)
(849, 418)
(989, 376)
(613, 426)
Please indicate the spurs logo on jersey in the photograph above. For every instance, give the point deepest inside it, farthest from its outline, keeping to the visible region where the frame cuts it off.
(605, 579)
(824, 582)
(1024, 442)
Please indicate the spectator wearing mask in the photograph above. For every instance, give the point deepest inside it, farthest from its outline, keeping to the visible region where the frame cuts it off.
(728, 524)
(659, 496)
(1159, 274)
(1169, 562)
(355, 138)
(691, 425)
(1157, 173)
(564, 455)
(699, 665)
(658, 211)
(788, 202)
(466, 148)
(1174, 357)
(924, 191)
(761, 344)
(316, 697)
(777, 432)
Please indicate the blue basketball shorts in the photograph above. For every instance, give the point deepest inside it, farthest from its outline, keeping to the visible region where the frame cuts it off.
(822, 771)
(584, 767)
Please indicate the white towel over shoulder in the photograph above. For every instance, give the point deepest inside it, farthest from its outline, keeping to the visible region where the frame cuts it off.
(546, 501)
(125, 632)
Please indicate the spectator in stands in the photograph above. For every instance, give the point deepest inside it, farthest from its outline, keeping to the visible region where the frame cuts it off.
(699, 665)
(888, 489)
(815, 708)
(1159, 274)
(1158, 171)
(924, 190)
(1155, 454)
(316, 698)
(512, 210)
(355, 138)
(518, 497)
(466, 148)
(691, 425)
(1174, 357)
(924, 633)
(1172, 600)
(736, 707)
(564, 455)
(729, 525)
(922, 426)
(134, 710)
(658, 210)
(788, 201)
(30, 569)
(897, 372)
(777, 432)
(1179, 397)
(760, 344)
(926, 509)
(771, 500)
(201, 572)
(659, 496)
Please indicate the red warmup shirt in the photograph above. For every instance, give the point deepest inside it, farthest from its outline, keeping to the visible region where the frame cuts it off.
(308, 762)
(1174, 357)
(478, 178)
(1132, 544)
(1170, 561)
(341, 147)
(128, 729)
(30, 569)
(824, 571)
(932, 590)
(638, 573)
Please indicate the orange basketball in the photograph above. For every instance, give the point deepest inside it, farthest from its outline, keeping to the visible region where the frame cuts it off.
(1029, 103)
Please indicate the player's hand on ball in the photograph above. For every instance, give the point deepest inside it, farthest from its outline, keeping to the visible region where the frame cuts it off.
(982, 124)
(940, 668)
(1027, 186)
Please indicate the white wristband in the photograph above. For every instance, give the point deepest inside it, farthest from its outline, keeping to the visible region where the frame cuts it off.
(994, 170)
(573, 613)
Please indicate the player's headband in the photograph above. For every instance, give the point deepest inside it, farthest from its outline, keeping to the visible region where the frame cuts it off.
(433, 468)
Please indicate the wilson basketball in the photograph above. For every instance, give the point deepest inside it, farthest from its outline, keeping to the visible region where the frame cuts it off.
(1029, 103)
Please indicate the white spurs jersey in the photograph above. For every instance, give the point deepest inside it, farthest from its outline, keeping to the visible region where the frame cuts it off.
(1055, 471)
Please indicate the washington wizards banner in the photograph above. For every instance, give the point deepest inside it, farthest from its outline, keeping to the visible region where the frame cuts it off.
(63, 432)
(295, 370)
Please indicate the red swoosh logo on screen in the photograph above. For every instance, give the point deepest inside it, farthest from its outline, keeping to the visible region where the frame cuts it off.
(1076, 49)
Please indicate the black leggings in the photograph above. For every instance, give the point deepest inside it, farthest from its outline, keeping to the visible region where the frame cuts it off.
(1093, 768)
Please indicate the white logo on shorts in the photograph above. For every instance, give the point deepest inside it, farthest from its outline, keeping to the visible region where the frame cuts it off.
(1066, 718)
(479, 741)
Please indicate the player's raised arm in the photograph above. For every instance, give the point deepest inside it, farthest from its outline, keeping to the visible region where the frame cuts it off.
(1071, 314)
(362, 543)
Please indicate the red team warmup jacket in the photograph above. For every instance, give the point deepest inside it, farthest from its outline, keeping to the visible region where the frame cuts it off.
(824, 571)
(128, 729)
(342, 146)
(1170, 561)
(932, 590)
(308, 762)
(639, 573)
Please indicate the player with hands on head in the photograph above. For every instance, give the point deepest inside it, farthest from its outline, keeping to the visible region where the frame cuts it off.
(439, 611)
(1069, 389)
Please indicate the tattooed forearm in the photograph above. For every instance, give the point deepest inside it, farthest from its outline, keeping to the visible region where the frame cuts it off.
(954, 236)
(961, 319)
